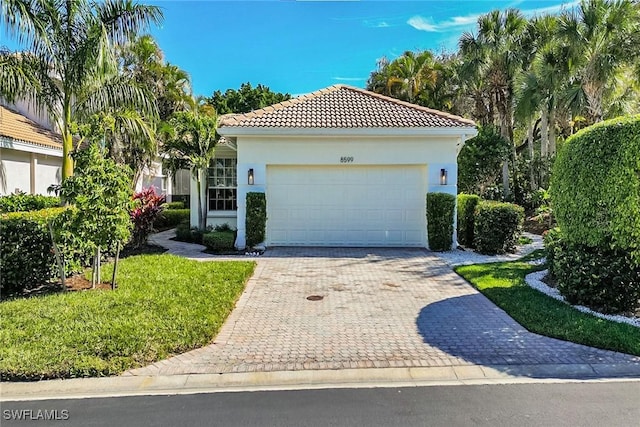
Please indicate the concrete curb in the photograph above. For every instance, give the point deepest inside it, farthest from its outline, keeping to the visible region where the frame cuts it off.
(303, 380)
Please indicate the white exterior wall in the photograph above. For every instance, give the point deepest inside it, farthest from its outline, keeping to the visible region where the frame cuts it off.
(256, 153)
(28, 172)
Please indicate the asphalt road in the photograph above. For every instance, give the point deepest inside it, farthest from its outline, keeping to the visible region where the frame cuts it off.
(578, 404)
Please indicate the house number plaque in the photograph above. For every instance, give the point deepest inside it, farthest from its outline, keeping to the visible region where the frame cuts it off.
(346, 159)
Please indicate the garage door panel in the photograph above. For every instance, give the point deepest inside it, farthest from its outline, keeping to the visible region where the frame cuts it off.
(346, 205)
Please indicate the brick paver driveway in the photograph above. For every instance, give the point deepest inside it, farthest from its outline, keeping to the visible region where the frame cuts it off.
(380, 308)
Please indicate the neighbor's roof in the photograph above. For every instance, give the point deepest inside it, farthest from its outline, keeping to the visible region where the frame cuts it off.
(343, 106)
(16, 126)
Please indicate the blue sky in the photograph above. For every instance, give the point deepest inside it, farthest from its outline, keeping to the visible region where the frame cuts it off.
(301, 46)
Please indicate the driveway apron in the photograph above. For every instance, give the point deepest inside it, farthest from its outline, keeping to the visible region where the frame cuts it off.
(333, 308)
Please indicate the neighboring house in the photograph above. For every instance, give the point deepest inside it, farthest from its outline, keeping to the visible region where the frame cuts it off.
(340, 167)
(31, 158)
(30, 154)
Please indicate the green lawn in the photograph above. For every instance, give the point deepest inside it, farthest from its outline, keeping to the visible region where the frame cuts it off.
(503, 283)
(164, 305)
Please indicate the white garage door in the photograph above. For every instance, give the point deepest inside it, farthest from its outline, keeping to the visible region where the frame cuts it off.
(346, 205)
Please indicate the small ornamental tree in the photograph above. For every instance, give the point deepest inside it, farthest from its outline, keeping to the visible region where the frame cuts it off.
(189, 143)
(101, 193)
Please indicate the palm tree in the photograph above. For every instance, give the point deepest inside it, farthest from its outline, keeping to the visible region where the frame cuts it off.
(494, 56)
(189, 143)
(601, 37)
(142, 62)
(70, 67)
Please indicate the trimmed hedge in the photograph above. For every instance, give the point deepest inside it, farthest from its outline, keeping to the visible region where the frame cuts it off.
(186, 233)
(173, 205)
(21, 202)
(604, 279)
(440, 212)
(27, 258)
(595, 186)
(170, 218)
(466, 217)
(497, 227)
(219, 241)
(256, 220)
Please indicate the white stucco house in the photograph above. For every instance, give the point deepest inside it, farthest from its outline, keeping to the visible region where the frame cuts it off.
(31, 157)
(340, 167)
(30, 154)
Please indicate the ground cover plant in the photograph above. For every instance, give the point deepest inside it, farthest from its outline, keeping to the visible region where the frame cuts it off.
(504, 284)
(164, 305)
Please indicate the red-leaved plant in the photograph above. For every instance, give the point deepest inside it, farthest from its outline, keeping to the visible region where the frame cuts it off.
(147, 206)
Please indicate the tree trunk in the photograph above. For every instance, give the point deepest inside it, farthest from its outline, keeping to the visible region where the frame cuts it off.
(99, 279)
(115, 268)
(552, 131)
(67, 140)
(503, 103)
(201, 214)
(94, 270)
(58, 255)
(544, 135)
(532, 175)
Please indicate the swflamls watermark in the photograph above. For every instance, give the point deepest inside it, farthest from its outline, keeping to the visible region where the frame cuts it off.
(35, 414)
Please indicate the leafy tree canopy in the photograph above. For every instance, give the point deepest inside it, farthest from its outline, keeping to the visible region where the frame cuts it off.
(246, 99)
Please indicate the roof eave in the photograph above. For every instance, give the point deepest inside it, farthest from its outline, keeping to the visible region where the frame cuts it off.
(456, 131)
(8, 142)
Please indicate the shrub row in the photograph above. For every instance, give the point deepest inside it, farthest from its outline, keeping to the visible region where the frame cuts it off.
(170, 218)
(173, 205)
(186, 233)
(602, 278)
(466, 218)
(219, 241)
(21, 202)
(440, 210)
(27, 259)
(256, 220)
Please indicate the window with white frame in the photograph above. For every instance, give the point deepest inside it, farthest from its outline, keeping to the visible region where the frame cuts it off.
(223, 185)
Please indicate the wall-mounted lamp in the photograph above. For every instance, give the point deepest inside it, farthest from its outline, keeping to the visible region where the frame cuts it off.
(250, 177)
(443, 177)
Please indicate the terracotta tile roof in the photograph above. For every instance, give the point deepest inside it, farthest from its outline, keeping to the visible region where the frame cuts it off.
(16, 126)
(343, 106)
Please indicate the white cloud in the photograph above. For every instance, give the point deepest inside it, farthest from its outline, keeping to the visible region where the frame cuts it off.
(427, 24)
(457, 22)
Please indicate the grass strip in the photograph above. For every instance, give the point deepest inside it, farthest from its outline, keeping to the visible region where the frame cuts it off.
(164, 305)
(504, 284)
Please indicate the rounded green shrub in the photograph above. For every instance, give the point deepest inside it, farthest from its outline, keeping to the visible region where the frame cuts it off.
(595, 187)
(497, 227)
(440, 209)
(466, 210)
(601, 278)
(170, 218)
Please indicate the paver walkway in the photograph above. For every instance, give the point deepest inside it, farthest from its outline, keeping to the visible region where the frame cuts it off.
(380, 308)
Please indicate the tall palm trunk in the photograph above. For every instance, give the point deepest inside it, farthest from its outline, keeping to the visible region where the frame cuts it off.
(202, 219)
(552, 131)
(532, 175)
(544, 134)
(67, 139)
